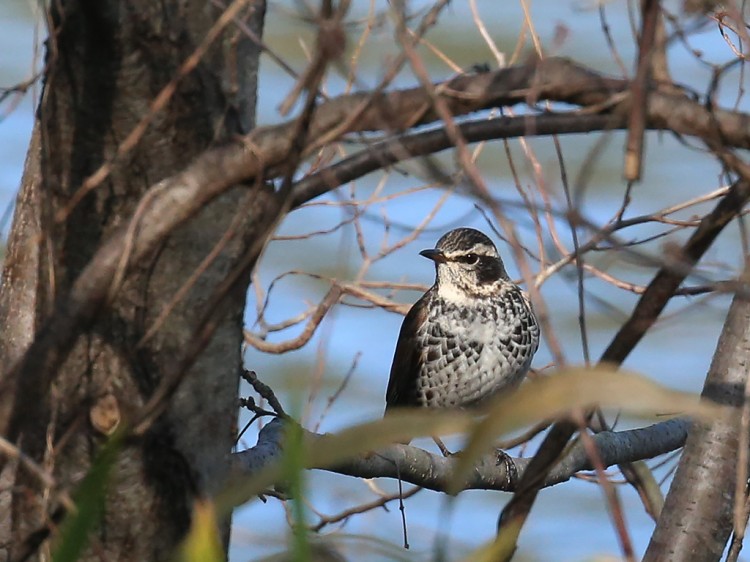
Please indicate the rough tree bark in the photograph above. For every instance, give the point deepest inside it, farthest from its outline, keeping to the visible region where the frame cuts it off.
(106, 63)
(697, 517)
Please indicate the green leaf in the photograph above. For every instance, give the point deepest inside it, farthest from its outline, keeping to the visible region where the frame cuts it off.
(89, 500)
(203, 543)
(294, 477)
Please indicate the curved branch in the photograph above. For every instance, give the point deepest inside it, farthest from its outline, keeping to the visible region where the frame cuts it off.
(403, 147)
(424, 469)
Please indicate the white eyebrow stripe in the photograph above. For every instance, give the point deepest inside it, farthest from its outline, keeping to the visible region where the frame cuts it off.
(479, 249)
(482, 249)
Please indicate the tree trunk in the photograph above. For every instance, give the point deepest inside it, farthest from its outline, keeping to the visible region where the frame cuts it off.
(696, 520)
(106, 62)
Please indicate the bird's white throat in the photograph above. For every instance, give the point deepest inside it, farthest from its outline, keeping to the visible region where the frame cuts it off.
(454, 294)
(479, 330)
(459, 296)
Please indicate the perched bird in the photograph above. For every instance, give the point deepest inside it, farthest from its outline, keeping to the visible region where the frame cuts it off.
(471, 335)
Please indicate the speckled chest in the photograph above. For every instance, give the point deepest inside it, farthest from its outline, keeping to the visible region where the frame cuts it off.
(472, 350)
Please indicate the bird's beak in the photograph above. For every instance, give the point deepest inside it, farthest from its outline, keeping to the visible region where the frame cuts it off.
(435, 255)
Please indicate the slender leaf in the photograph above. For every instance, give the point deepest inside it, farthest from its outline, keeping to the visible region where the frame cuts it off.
(568, 390)
(203, 543)
(89, 500)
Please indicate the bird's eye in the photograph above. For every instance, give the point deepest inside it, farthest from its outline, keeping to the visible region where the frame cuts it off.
(469, 259)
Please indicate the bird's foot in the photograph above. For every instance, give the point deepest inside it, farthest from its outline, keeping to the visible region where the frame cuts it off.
(443, 449)
(511, 473)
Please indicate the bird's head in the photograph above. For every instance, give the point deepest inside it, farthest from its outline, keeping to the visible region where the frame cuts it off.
(466, 264)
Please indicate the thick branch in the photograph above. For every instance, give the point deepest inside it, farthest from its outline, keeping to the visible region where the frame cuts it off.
(697, 515)
(419, 467)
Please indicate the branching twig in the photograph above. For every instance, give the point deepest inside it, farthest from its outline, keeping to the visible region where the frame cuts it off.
(264, 391)
(316, 318)
(363, 508)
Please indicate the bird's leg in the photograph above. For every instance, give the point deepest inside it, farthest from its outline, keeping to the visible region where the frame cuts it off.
(442, 447)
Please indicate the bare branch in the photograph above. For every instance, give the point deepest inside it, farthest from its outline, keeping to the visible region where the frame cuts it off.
(424, 469)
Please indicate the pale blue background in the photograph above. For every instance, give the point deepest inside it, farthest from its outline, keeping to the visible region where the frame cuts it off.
(569, 522)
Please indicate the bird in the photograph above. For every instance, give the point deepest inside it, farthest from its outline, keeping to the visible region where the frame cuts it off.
(470, 337)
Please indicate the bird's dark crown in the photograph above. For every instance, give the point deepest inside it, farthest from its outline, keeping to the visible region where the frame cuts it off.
(467, 260)
(462, 240)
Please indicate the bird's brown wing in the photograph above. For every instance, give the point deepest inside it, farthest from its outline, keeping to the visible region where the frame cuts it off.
(408, 358)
